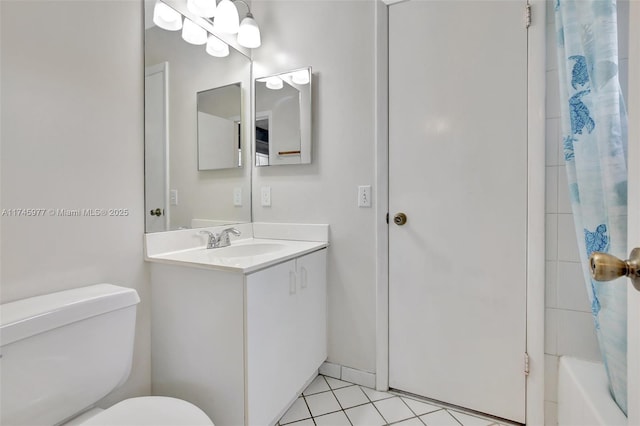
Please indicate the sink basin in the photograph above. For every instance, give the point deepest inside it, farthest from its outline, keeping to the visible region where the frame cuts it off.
(246, 250)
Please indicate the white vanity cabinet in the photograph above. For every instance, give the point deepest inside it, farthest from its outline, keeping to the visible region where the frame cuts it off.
(240, 346)
(286, 333)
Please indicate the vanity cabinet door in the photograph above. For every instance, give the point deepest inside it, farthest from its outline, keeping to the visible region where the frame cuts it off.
(271, 328)
(311, 271)
(286, 333)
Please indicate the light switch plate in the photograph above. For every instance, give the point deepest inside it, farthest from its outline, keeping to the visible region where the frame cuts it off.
(364, 196)
(265, 196)
(237, 196)
(173, 197)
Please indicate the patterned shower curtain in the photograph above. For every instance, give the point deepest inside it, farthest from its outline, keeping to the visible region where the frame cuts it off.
(594, 129)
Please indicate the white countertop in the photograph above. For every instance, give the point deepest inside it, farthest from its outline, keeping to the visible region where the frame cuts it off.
(229, 258)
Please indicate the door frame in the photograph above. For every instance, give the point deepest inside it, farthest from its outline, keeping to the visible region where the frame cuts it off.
(633, 297)
(535, 199)
(161, 68)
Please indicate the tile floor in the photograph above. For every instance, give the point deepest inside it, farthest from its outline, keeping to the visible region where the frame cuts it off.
(331, 402)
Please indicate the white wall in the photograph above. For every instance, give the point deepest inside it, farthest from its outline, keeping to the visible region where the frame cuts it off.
(337, 40)
(569, 328)
(71, 132)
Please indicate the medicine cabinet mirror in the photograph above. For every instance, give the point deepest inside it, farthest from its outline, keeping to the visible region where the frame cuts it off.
(193, 178)
(283, 118)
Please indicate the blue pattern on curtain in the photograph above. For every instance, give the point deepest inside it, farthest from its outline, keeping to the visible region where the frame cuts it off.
(594, 126)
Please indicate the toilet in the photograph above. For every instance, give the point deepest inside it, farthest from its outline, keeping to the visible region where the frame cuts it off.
(61, 353)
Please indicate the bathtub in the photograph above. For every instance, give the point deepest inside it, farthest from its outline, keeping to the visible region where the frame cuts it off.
(583, 395)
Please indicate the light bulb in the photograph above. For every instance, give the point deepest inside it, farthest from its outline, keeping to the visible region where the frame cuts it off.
(217, 47)
(227, 20)
(274, 83)
(249, 33)
(202, 8)
(300, 77)
(193, 33)
(166, 18)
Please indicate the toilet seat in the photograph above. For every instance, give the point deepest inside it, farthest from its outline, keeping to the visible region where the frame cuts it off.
(151, 411)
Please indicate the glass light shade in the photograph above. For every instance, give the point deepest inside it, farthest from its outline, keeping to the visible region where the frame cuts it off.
(203, 8)
(300, 77)
(217, 47)
(193, 33)
(249, 33)
(227, 20)
(274, 83)
(166, 18)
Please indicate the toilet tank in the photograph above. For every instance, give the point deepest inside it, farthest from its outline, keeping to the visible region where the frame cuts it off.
(62, 352)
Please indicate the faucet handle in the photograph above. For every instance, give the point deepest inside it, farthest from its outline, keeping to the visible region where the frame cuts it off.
(212, 240)
(224, 240)
(233, 231)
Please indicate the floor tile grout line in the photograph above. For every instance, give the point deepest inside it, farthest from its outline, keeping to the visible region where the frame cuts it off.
(379, 412)
(401, 420)
(453, 408)
(339, 403)
(308, 408)
(455, 418)
(405, 403)
(374, 405)
(417, 415)
(404, 420)
(372, 402)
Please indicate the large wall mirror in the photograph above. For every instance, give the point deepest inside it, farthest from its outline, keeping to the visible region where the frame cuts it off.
(197, 127)
(283, 118)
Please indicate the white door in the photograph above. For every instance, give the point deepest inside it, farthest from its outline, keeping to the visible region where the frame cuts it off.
(156, 144)
(458, 170)
(633, 301)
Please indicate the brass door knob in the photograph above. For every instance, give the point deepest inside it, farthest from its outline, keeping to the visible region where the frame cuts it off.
(156, 212)
(605, 267)
(400, 219)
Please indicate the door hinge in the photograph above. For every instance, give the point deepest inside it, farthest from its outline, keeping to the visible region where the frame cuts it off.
(527, 15)
(526, 364)
(387, 218)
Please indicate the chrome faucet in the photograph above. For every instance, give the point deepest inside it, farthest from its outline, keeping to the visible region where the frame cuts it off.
(221, 239)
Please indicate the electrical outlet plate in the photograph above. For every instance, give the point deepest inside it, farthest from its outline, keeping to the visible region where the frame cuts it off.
(237, 197)
(364, 196)
(265, 196)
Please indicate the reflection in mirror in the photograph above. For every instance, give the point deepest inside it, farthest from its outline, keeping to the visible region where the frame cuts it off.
(283, 118)
(219, 127)
(185, 188)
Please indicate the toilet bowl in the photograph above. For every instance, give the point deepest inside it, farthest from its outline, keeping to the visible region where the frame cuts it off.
(148, 411)
(63, 352)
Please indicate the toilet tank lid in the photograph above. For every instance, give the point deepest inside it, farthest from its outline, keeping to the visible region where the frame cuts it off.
(34, 315)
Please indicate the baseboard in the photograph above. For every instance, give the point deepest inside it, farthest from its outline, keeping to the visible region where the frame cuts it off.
(348, 374)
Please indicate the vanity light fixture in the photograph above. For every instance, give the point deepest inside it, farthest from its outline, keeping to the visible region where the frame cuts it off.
(166, 17)
(202, 8)
(217, 47)
(300, 77)
(227, 20)
(274, 83)
(193, 33)
(249, 32)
